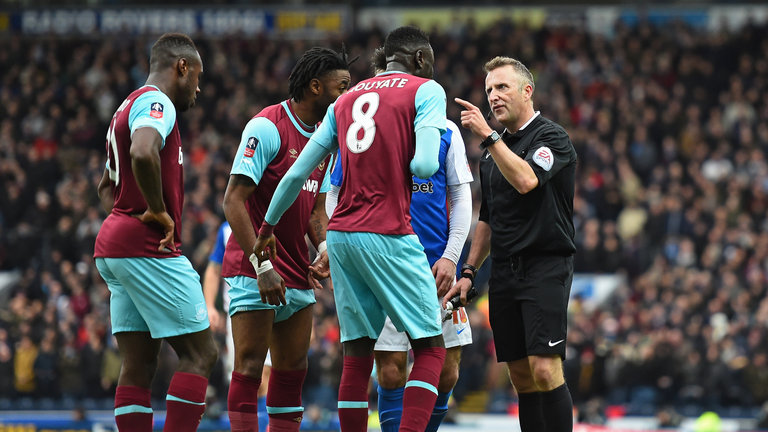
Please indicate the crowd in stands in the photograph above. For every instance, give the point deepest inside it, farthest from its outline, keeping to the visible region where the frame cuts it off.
(670, 124)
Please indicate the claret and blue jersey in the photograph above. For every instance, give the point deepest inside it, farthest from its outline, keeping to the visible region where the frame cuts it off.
(117, 238)
(429, 197)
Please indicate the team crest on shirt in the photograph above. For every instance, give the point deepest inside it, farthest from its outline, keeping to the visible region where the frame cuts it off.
(294, 153)
(156, 110)
(544, 158)
(250, 147)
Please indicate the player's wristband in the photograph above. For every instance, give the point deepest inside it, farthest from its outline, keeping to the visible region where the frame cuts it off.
(266, 265)
(322, 247)
(266, 229)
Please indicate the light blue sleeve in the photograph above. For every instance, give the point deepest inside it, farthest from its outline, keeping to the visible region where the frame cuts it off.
(430, 107)
(290, 186)
(426, 158)
(326, 185)
(326, 135)
(259, 144)
(153, 109)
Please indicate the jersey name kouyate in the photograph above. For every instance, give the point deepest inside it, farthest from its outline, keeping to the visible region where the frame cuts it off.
(376, 124)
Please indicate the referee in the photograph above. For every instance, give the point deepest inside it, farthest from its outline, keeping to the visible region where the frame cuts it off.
(526, 224)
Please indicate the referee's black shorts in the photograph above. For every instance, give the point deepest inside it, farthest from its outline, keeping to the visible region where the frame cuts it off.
(528, 302)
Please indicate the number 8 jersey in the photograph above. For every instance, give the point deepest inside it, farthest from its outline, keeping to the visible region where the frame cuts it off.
(122, 235)
(376, 122)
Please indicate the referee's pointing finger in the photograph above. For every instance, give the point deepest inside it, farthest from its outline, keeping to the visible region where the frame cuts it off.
(465, 104)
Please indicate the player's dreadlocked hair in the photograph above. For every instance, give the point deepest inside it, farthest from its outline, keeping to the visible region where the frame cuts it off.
(379, 60)
(315, 63)
(401, 38)
(169, 48)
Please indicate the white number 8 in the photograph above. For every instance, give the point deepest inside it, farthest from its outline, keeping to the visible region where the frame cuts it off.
(363, 120)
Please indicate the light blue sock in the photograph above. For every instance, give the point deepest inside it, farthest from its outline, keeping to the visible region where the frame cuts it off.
(390, 408)
(263, 415)
(439, 412)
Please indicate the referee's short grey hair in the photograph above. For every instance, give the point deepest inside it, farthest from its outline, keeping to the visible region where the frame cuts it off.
(517, 65)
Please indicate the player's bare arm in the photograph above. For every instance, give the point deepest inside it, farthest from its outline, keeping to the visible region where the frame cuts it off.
(238, 190)
(318, 224)
(106, 192)
(145, 162)
(211, 284)
(515, 169)
(478, 252)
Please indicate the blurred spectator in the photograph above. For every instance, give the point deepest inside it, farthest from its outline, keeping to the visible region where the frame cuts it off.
(23, 368)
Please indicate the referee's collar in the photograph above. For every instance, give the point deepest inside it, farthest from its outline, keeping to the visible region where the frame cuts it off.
(520, 132)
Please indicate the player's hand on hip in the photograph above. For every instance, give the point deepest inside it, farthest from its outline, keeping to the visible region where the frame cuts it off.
(319, 270)
(472, 118)
(271, 288)
(461, 287)
(167, 244)
(444, 271)
(264, 248)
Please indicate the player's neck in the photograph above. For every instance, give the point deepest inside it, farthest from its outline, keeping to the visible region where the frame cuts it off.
(395, 66)
(157, 80)
(305, 111)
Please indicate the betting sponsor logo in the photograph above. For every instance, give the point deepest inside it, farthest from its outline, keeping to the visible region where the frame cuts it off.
(427, 187)
(544, 158)
(156, 110)
(250, 147)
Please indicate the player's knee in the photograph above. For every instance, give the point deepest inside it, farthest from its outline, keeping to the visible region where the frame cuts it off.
(139, 372)
(250, 366)
(390, 375)
(448, 378)
(546, 373)
(208, 358)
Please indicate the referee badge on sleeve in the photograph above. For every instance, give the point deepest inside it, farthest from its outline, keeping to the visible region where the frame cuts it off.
(544, 158)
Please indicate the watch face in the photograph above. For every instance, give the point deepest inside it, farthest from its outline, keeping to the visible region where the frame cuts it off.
(492, 138)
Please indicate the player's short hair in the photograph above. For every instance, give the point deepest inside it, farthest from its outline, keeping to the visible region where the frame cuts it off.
(517, 65)
(401, 38)
(169, 48)
(379, 60)
(315, 63)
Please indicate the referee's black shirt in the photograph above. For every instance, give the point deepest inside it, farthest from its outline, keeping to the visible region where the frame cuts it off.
(541, 221)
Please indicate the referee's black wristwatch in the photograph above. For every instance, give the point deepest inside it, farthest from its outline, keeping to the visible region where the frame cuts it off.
(469, 271)
(489, 140)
